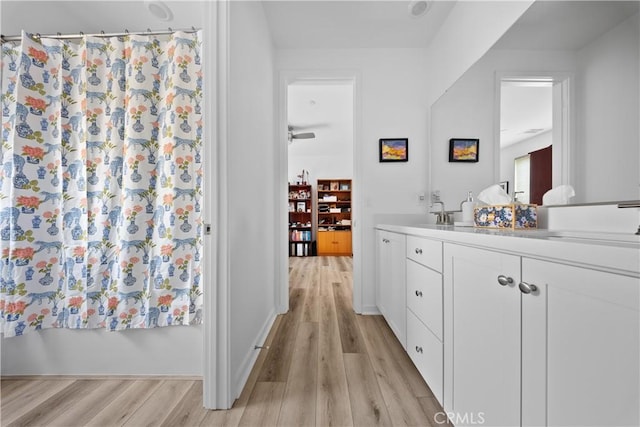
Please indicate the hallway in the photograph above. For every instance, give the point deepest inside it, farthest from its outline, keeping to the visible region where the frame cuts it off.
(328, 366)
(325, 366)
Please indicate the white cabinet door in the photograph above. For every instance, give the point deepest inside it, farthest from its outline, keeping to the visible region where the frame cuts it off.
(482, 335)
(580, 344)
(391, 283)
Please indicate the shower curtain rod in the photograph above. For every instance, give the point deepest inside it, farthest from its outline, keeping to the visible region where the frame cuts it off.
(101, 34)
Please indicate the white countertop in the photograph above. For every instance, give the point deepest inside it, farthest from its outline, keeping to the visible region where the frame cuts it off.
(611, 252)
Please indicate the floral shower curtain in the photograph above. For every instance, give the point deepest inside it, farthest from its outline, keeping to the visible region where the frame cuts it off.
(101, 183)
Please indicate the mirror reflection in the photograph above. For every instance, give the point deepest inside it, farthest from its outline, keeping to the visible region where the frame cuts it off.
(602, 38)
(565, 79)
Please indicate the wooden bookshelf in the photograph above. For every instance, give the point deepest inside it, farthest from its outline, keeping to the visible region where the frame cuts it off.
(300, 220)
(334, 217)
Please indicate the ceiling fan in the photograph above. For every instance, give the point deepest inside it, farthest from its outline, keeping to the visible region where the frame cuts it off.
(303, 135)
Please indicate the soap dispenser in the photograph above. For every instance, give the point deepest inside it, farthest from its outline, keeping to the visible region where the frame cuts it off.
(467, 209)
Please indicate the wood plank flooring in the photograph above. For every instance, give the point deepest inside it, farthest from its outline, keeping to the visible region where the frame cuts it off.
(325, 366)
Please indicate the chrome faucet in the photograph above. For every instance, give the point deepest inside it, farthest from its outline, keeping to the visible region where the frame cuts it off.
(443, 217)
(631, 204)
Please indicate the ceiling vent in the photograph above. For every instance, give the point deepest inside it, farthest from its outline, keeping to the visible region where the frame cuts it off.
(418, 8)
(159, 9)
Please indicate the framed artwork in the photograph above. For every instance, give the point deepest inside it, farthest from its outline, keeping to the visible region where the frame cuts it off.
(464, 150)
(394, 150)
(335, 186)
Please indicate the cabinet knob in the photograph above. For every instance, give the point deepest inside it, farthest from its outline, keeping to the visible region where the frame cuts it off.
(527, 288)
(385, 240)
(418, 349)
(504, 280)
(419, 293)
(419, 251)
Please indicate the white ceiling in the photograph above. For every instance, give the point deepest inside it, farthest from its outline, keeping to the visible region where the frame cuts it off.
(324, 109)
(93, 16)
(565, 25)
(353, 24)
(330, 24)
(294, 24)
(324, 24)
(525, 111)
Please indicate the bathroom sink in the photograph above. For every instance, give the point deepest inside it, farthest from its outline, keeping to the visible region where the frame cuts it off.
(629, 240)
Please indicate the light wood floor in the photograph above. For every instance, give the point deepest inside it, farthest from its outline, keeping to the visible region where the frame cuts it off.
(325, 366)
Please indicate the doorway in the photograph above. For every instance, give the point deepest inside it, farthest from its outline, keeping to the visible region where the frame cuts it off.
(533, 122)
(323, 108)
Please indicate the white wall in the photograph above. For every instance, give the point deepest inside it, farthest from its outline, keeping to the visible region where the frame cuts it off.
(175, 350)
(391, 99)
(251, 149)
(608, 131)
(519, 149)
(325, 109)
(468, 110)
(397, 88)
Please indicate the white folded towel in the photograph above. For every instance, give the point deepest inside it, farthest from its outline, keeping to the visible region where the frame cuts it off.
(558, 196)
(494, 195)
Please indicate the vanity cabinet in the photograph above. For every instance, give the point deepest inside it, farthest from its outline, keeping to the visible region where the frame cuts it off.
(534, 343)
(424, 310)
(409, 296)
(391, 281)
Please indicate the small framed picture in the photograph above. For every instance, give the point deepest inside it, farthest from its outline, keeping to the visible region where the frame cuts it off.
(301, 207)
(335, 186)
(464, 150)
(394, 150)
(344, 186)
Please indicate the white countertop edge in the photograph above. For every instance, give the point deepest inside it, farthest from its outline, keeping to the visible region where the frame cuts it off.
(532, 244)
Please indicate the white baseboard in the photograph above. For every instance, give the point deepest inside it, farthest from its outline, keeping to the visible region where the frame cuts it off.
(252, 355)
(370, 310)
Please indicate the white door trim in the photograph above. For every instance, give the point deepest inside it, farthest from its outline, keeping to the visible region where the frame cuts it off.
(215, 372)
(563, 120)
(285, 78)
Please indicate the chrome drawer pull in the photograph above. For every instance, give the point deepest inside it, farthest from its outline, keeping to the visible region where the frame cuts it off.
(419, 293)
(504, 280)
(527, 288)
(418, 349)
(419, 251)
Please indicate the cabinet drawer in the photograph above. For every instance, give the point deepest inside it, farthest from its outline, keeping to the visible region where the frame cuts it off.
(425, 251)
(426, 352)
(424, 296)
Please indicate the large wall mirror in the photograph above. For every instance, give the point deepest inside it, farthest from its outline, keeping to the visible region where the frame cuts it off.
(565, 76)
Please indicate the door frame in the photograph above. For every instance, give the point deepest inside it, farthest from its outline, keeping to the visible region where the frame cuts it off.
(563, 132)
(216, 381)
(281, 244)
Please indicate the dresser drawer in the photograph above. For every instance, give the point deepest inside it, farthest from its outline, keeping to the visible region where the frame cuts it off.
(425, 251)
(424, 296)
(426, 352)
